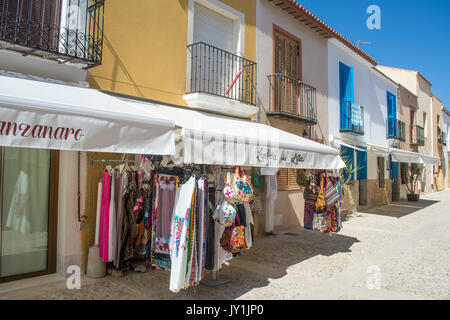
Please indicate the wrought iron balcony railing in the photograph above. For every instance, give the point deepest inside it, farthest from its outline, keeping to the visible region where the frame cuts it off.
(62, 30)
(417, 135)
(396, 130)
(221, 73)
(292, 98)
(351, 118)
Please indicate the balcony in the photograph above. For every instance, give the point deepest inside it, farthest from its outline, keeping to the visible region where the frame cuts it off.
(220, 81)
(396, 130)
(442, 136)
(292, 99)
(351, 118)
(417, 135)
(61, 30)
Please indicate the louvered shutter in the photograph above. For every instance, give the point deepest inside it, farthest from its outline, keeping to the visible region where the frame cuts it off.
(346, 95)
(286, 63)
(213, 28)
(392, 114)
(41, 32)
(287, 179)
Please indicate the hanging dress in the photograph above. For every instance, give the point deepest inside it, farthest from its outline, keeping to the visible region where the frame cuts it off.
(104, 217)
(178, 239)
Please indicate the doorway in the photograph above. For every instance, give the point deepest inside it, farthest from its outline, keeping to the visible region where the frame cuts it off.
(28, 206)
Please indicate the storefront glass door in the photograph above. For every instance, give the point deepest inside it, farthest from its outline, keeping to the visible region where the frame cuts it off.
(25, 194)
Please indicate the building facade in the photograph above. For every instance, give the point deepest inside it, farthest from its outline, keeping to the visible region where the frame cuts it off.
(41, 208)
(365, 101)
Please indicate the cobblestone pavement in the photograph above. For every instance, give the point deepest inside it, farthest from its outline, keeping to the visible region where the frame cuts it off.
(409, 243)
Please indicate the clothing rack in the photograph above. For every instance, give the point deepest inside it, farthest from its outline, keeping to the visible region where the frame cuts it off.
(109, 160)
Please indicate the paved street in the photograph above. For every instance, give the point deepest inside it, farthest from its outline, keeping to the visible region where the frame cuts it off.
(409, 243)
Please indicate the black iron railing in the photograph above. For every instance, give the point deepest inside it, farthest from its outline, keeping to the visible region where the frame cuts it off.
(417, 135)
(442, 136)
(292, 98)
(396, 130)
(221, 73)
(351, 118)
(63, 30)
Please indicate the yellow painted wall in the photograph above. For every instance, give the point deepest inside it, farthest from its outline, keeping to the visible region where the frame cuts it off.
(144, 51)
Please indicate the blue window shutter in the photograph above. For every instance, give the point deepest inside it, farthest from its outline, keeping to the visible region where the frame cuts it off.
(394, 168)
(345, 95)
(349, 158)
(362, 165)
(392, 114)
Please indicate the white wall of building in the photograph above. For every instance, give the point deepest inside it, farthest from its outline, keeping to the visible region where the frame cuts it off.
(370, 89)
(313, 53)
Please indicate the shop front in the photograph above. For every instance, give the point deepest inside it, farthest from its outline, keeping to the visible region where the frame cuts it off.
(46, 130)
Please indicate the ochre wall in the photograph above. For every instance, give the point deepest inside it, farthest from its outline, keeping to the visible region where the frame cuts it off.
(144, 51)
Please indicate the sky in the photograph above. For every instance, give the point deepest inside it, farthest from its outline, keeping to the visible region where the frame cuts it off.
(414, 34)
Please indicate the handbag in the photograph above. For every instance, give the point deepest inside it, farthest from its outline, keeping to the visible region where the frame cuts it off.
(331, 193)
(320, 222)
(233, 238)
(242, 186)
(225, 213)
(228, 190)
(320, 202)
(256, 179)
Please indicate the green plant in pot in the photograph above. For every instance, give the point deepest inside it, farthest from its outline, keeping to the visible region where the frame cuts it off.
(414, 174)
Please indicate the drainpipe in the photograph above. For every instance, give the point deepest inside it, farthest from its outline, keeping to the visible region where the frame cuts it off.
(81, 219)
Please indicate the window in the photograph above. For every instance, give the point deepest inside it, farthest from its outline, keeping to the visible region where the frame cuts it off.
(27, 212)
(287, 179)
(380, 161)
(392, 114)
(403, 172)
(287, 59)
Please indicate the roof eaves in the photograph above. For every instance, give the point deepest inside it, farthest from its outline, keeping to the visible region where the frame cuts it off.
(333, 32)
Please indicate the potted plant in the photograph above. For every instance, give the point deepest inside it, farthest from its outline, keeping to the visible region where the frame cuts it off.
(413, 176)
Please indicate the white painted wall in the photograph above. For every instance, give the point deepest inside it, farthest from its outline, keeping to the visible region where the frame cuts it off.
(314, 57)
(370, 89)
(36, 66)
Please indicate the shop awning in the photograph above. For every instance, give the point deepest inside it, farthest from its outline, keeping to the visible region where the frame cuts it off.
(38, 114)
(214, 139)
(413, 157)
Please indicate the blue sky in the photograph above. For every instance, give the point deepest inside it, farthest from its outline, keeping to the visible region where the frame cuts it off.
(414, 34)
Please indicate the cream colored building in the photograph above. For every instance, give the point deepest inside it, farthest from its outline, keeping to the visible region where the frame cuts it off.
(421, 87)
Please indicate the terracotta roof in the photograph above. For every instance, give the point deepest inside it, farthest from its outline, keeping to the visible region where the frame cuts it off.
(303, 15)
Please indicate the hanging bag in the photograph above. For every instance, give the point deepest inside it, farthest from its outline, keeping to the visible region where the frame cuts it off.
(242, 186)
(229, 191)
(320, 202)
(233, 238)
(331, 193)
(225, 213)
(320, 222)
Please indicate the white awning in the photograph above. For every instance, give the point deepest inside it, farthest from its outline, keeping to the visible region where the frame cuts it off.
(37, 114)
(413, 157)
(221, 140)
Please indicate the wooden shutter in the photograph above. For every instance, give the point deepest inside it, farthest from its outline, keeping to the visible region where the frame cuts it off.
(380, 172)
(392, 114)
(286, 62)
(287, 179)
(41, 32)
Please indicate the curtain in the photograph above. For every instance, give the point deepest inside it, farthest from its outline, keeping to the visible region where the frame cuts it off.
(25, 195)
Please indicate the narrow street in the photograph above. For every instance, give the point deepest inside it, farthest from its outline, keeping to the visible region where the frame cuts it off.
(409, 243)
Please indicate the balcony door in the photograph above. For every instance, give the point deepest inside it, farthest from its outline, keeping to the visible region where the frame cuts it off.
(27, 212)
(31, 23)
(214, 60)
(287, 64)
